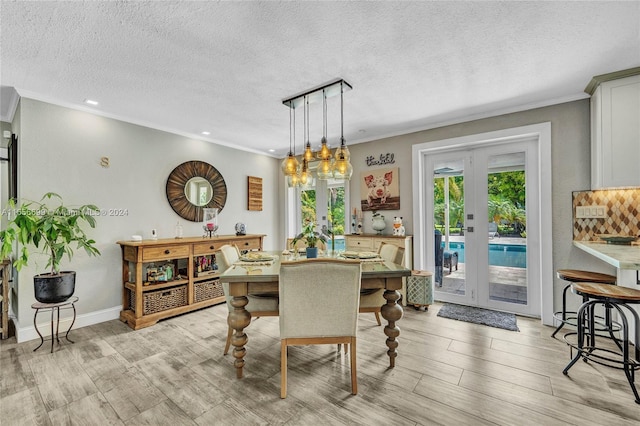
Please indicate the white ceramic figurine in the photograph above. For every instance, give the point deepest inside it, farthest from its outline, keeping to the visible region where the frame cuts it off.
(398, 227)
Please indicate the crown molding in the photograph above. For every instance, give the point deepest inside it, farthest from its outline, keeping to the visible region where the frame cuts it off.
(475, 117)
(43, 98)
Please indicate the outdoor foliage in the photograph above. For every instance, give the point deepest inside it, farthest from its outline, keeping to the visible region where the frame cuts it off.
(336, 209)
(506, 201)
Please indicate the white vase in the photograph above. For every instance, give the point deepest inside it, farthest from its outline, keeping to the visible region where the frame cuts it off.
(378, 224)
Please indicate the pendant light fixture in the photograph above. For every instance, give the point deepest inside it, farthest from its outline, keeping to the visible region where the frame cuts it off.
(300, 174)
(290, 164)
(342, 168)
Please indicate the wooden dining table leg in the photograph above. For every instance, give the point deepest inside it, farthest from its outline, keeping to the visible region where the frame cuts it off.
(392, 312)
(238, 319)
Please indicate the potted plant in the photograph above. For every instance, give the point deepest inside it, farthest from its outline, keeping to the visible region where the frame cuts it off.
(55, 229)
(311, 237)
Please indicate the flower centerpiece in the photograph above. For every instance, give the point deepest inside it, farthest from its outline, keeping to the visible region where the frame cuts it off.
(311, 237)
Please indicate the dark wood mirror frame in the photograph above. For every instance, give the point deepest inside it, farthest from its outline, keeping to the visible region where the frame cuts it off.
(176, 189)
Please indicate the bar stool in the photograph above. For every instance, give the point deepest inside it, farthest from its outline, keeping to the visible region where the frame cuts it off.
(577, 275)
(611, 297)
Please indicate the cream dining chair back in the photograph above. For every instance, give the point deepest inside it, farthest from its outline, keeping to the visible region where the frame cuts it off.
(259, 305)
(319, 300)
(372, 301)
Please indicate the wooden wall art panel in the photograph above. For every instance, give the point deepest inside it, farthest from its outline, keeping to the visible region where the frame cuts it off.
(254, 194)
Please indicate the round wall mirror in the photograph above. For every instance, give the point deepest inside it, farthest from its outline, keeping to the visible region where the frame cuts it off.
(198, 191)
(193, 186)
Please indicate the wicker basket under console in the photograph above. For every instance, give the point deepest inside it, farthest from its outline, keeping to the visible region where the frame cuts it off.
(205, 290)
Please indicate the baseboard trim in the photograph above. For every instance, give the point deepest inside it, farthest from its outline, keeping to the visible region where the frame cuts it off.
(24, 334)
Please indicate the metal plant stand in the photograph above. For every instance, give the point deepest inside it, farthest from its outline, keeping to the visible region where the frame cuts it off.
(55, 309)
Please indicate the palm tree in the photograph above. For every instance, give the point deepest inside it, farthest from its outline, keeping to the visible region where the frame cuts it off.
(498, 208)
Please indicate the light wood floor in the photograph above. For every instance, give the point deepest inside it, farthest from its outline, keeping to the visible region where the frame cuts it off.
(447, 372)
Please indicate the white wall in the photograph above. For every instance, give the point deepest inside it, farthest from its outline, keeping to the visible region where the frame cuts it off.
(60, 151)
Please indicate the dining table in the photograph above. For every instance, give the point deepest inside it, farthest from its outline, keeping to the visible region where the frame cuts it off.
(259, 276)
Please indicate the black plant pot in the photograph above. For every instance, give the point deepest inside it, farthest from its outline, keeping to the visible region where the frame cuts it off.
(312, 252)
(54, 288)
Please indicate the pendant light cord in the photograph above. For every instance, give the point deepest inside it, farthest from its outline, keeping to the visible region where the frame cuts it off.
(341, 115)
(290, 129)
(324, 115)
(294, 130)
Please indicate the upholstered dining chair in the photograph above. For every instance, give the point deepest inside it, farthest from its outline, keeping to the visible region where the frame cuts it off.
(258, 306)
(372, 301)
(319, 301)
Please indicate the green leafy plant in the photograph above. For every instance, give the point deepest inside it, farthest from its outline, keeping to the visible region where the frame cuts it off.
(309, 235)
(54, 228)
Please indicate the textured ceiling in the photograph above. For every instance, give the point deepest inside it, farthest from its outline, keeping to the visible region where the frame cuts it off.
(224, 67)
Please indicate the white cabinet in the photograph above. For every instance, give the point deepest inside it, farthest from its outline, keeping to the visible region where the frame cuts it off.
(615, 131)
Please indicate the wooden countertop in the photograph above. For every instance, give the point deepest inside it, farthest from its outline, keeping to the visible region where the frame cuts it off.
(185, 240)
(620, 256)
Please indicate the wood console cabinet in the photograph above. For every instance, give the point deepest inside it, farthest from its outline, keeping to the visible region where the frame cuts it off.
(148, 297)
(371, 242)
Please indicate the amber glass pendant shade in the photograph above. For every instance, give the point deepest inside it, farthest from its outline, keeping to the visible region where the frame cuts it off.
(289, 165)
(325, 152)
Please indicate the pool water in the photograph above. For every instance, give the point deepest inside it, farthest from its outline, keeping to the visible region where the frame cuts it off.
(514, 256)
(338, 243)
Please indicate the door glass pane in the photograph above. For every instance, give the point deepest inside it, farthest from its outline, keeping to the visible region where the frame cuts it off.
(449, 223)
(336, 213)
(307, 206)
(507, 237)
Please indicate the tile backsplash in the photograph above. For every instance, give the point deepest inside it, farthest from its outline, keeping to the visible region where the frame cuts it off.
(622, 213)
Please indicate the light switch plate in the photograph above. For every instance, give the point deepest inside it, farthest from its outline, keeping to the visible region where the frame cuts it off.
(591, 212)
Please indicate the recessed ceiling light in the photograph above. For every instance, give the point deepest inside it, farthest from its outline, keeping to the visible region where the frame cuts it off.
(206, 133)
(90, 102)
(272, 150)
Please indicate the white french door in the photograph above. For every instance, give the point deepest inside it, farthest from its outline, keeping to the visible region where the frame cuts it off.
(482, 205)
(322, 201)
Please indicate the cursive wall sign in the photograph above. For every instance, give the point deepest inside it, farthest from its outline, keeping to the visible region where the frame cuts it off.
(383, 159)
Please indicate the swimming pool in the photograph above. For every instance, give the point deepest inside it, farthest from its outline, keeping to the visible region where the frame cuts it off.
(514, 256)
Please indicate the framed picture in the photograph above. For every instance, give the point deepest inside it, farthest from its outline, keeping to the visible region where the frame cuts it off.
(380, 189)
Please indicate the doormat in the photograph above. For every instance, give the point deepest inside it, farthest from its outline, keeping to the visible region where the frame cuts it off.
(479, 316)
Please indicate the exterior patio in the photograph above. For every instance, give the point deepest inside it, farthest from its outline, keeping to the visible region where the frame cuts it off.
(507, 284)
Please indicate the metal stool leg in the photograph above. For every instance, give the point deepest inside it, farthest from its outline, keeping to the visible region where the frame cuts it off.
(564, 310)
(581, 331)
(627, 365)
